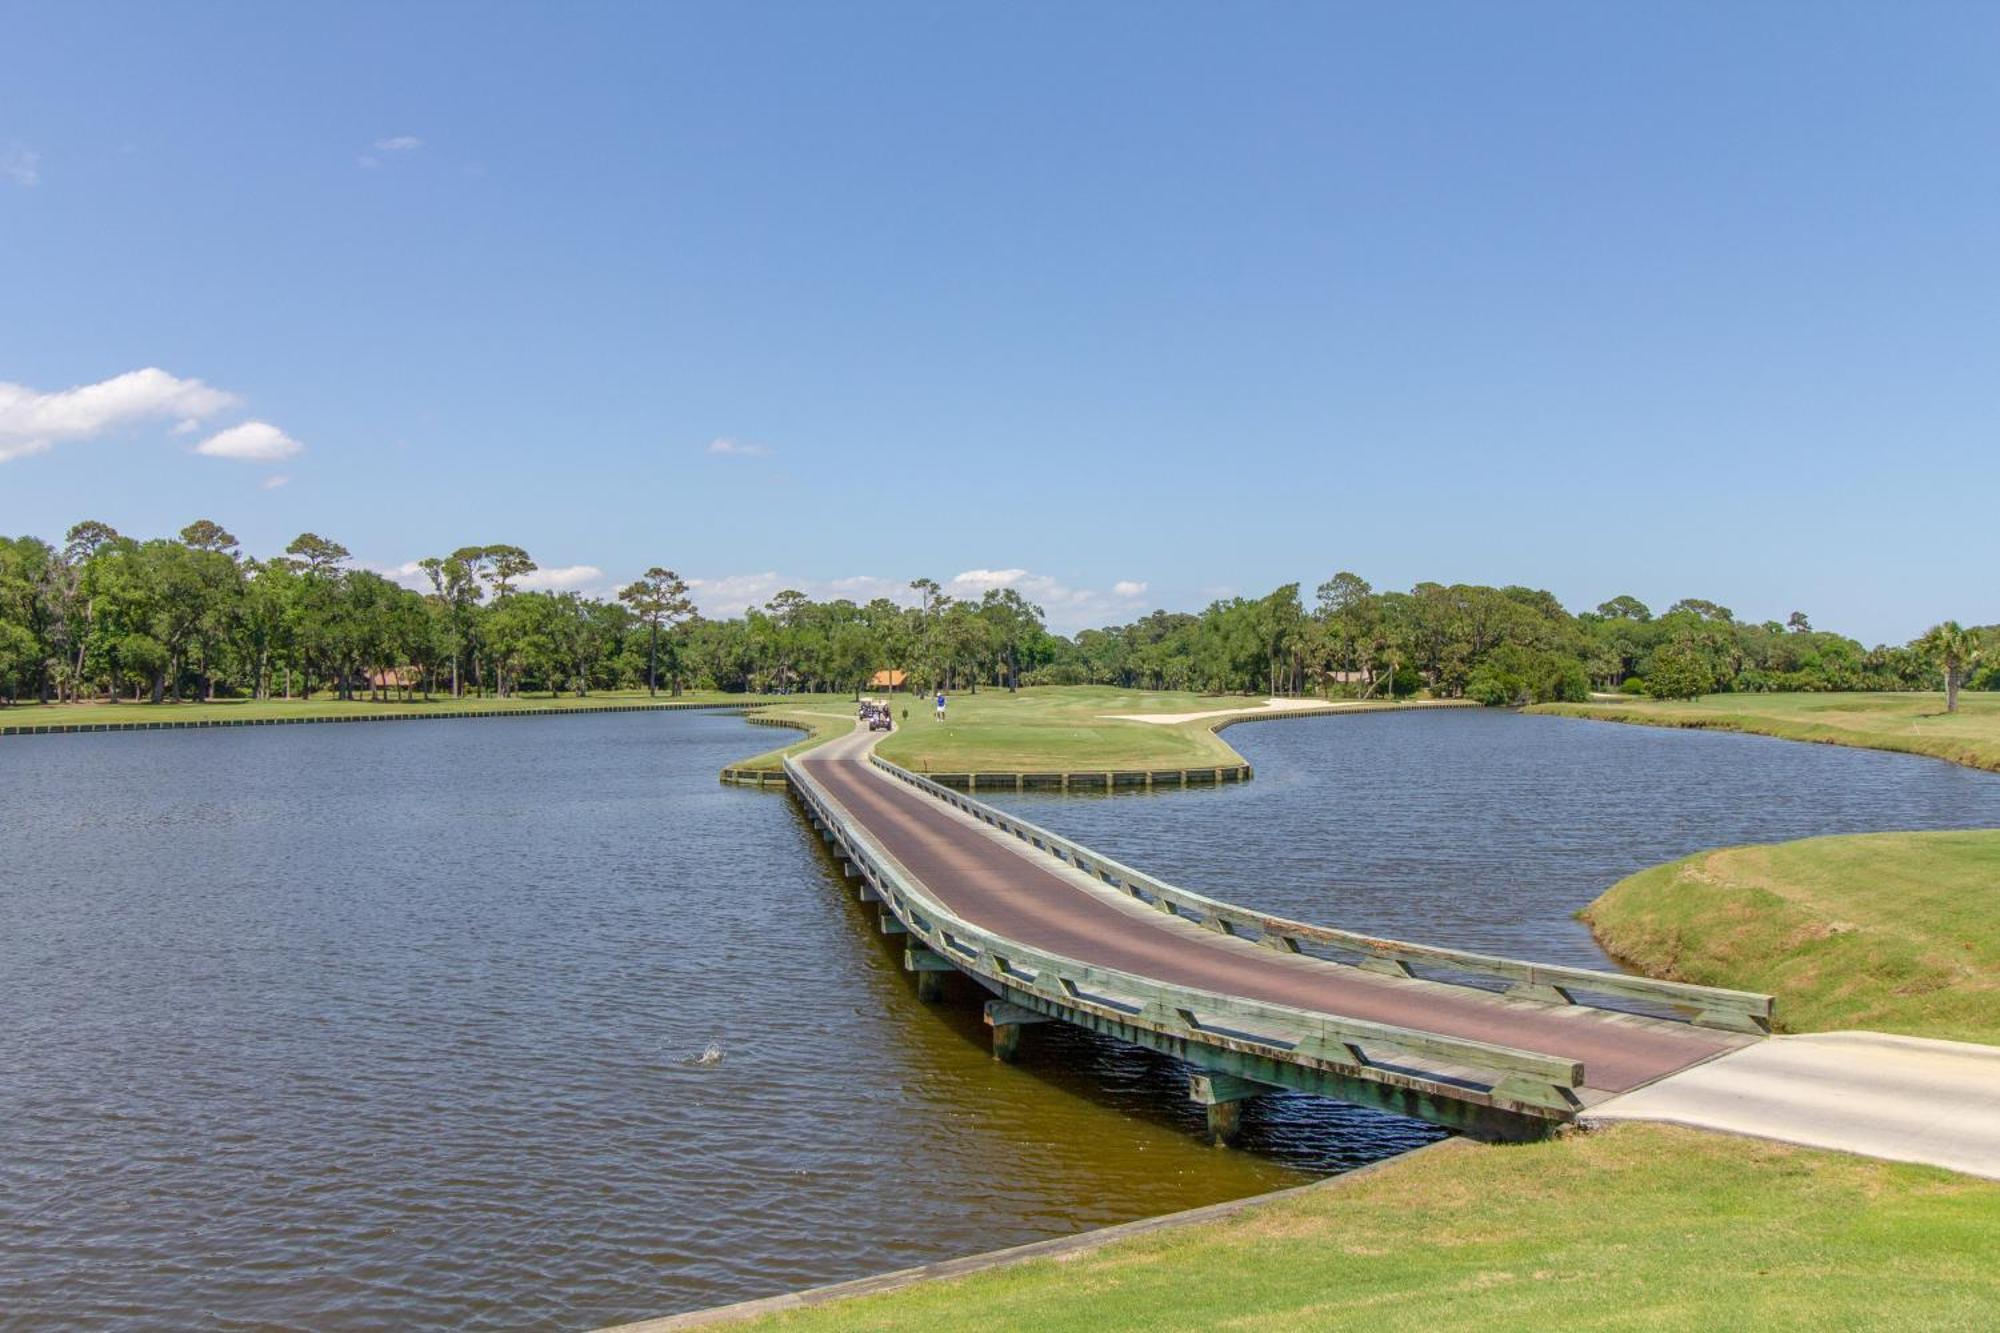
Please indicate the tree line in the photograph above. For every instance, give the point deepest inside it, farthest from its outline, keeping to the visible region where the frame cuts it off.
(104, 616)
(1507, 645)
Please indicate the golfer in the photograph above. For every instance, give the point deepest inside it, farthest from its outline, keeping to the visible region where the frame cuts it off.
(940, 706)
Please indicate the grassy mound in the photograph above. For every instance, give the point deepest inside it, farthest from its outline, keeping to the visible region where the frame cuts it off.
(1055, 728)
(1897, 932)
(1637, 1227)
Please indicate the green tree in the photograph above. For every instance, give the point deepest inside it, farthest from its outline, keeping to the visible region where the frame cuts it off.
(207, 535)
(1624, 608)
(1955, 650)
(1012, 623)
(455, 594)
(1679, 671)
(659, 598)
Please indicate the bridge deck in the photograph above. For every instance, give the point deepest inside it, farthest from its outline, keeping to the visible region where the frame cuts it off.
(997, 883)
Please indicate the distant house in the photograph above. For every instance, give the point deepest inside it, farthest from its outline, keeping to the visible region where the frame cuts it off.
(887, 679)
(398, 678)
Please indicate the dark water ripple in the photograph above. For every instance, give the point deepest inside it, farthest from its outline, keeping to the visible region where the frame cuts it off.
(1487, 830)
(368, 1027)
(354, 1027)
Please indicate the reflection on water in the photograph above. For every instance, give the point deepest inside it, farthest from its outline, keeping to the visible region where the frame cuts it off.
(532, 1022)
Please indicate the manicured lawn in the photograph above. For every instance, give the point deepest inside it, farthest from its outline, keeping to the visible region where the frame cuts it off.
(1046, 729)
(1916, 723)
(1896, 932)
(1641, 1226)
(141, 714)
(1055, 728)
(1065, 728)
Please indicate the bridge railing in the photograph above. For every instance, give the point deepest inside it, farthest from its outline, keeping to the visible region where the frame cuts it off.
(1515, 1079)
(1708, 1006)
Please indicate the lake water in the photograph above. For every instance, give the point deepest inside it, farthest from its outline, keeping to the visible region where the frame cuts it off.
(403, 1026)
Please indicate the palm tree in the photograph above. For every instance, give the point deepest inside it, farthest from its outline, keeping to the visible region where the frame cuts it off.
(1955, 649)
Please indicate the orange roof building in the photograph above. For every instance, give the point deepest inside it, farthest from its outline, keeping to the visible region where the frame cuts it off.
(887, 679)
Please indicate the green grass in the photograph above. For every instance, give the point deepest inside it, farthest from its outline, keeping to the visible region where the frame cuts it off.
(1063, 728)
(1057, 728)
(1896, 932)
(1639, 1227)
(1914, 723)
(142, 714)
(1044, 729)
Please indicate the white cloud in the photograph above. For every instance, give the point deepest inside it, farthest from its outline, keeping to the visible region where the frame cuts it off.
(23, 166)
(865, 588)
(563, 578)
(251, 442)
(979, 580)
(273, 482)
(729, 594)
(395, 143)
(1066, 608)
(32, 421)
(736, 448)
(1042, 589)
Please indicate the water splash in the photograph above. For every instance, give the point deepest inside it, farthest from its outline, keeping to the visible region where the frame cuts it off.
(711, 1054)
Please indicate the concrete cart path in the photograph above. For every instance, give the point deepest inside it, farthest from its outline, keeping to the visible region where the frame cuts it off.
(1905, 1099)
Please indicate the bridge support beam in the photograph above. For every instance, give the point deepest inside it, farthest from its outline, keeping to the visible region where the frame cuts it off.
(891, 926)
(1007, 1020)
(930, 969)
(1488, 1123)
(1223, 1095)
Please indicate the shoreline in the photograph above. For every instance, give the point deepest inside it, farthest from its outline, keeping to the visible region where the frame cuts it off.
(1055, 1247)
(1948, 749)
(764, 769)
(1582, 1227)
(418, 713)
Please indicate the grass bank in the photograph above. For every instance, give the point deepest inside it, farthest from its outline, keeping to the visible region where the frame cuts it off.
(1067, 728)
(1912, 723)
(1057, 727)
(118, 715)
(1895, 932)
(1042, 728)
(1635, 1227)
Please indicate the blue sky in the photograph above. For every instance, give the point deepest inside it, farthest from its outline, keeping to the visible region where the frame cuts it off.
(1130, 305)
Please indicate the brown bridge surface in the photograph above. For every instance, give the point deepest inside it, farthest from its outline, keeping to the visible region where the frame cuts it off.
(1014, 890)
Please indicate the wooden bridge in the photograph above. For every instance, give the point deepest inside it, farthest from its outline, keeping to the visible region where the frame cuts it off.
(1252, 1003)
